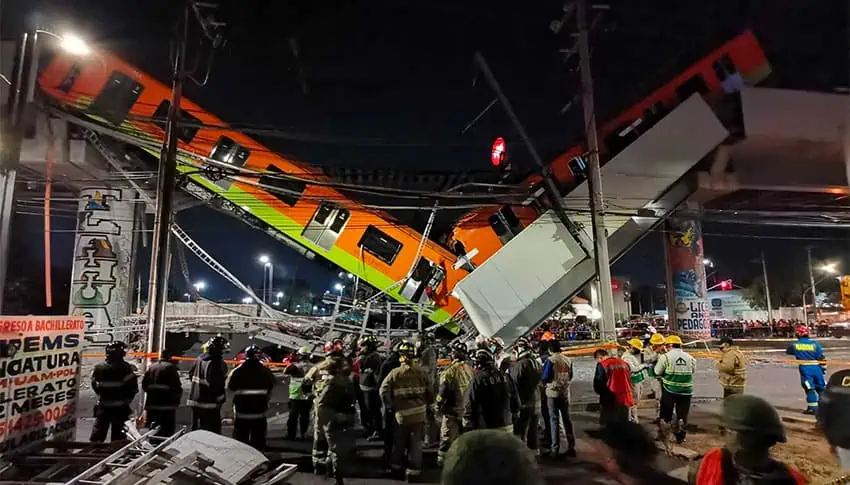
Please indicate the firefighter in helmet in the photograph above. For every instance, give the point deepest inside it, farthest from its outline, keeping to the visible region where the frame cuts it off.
(453, 384)
(115, 383)
(369, 364)
(491, 400)
(207, 392)
(163, 391)
(299, 400)
(251, 384)
(314, 381)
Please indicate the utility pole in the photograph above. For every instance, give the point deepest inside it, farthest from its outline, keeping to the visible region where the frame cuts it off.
(167, 173)
(814, 291)
(17, 116)
(767, 294)
(594, 180)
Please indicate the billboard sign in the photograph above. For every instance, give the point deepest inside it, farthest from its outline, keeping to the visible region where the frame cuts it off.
(39, 383)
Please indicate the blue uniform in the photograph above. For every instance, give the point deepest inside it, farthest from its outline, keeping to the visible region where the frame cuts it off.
(811, 373)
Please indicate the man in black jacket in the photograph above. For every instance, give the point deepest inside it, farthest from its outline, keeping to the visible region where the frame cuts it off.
(206, 394)
(163, 392)
(251, 384)
(115, 384)
(834, 415)
(369, 364)
(392, 361)
(526, 374)
(491, 400)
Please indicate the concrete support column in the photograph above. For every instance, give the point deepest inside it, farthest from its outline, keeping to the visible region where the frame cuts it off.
(687, 303)
(101, 285)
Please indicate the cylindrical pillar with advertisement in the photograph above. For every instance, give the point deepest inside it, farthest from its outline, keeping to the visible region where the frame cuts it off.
(688, 311)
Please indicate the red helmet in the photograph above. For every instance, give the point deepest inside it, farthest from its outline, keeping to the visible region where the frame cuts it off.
(802, 331)
(334, 346)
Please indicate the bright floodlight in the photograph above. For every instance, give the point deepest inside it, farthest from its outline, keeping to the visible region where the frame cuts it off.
(830, 268)
(247, 300)
(264, 259)
(707, 262)
(200, 285)
(338, 287)
(75, 45)
(350, 276)
(279, 295)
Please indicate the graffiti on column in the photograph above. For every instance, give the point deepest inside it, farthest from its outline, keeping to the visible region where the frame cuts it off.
(102, 261)
(685, 253)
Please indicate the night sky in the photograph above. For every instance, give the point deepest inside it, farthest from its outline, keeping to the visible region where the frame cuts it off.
(391, 84)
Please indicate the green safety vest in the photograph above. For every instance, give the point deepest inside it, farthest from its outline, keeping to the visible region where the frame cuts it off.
(676, 369)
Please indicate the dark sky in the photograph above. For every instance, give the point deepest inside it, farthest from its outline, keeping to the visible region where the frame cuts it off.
(386, 73)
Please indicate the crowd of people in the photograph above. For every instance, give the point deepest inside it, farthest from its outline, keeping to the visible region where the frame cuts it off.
(486, 390)
(761, 329)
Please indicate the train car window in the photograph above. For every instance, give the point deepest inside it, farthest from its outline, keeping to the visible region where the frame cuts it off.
(510, 219)
(426, 276)
(380, 244)
(577, 168)
(68, 81)
(292, 189)
(114, 101)
(230, 152)
(185, 133)
(341, 218)
(695, 84)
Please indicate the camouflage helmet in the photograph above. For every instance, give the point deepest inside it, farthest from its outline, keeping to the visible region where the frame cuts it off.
(751, 414)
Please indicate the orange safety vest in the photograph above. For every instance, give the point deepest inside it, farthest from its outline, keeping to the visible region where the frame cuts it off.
(718, 462)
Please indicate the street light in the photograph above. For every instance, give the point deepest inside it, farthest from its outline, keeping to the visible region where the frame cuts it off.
(279, 295)
(200, 285)
(829, 268)
(268, 282)
(708, 262)
(187, 296)
(22, 89)
(247, 300)
(339, 287)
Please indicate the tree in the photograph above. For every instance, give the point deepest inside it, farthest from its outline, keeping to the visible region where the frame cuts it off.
(754, 294)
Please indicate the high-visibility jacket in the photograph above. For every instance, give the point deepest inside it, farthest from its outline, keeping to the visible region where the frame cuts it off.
(732, 368)
(637, 368)
(251, 384)
(613, 382)
(162, 386)
(297, 391)
(676, 369)
(453, 384)
(407, 391)
(718, 468)
(208, 376)
(557, 374)
(115, 384)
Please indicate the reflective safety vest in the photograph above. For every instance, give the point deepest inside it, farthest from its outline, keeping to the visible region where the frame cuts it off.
(717, 468)
(636, 367)
(296, 382)
(407, 391)
(251, 384)
(115, 384)
(208, 382)
(676, 369)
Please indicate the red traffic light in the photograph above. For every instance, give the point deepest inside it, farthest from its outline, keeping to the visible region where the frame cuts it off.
(726, 285)
(498, 152)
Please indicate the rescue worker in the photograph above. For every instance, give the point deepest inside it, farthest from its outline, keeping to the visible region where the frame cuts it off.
(115, 383)
(489, 457)
(335, 416)
(746, 459)
(526, 373)
(426, 352)
(299, 399)
(612, 382)
(392, 361)
(731, 368)
(251, 383)
(491, 400)
(314, 381)
(163, 392)
(454, 382)
(651, 353)
(206, 393)
(407, 393)
(676, 369)
(634, 357)
(834, 415)
(809, 353)
(557, 374)
(369, 365)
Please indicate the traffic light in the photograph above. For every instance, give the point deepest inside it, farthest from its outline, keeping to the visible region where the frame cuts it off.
(726, 285)
(499, 152)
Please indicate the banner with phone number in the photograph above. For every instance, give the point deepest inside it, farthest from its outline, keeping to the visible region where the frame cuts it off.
(39, 379)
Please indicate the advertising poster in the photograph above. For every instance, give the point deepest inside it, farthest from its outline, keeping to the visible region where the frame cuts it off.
(685, 262)
(39, 383)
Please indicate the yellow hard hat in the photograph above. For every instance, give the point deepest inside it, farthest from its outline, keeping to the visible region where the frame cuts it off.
(656, 339)
(636, 343)
(673, 339)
